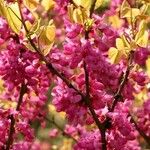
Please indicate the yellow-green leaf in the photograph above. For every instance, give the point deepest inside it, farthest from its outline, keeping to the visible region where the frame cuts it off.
(148, 66)
(12, 14)
(70, 11)
(120, 43)
(84, 3)
(143, 9)
(77, 16)
(140, 97)
(5, 104)
(127, 12)
(122, 46)
(46, 38)
(87, 3)
(47, 4)
(141, 37)
(125, 41)
(98, 3)
(2, 8)
(31, 4)
(114, 55)
(115, 21)
(35, 27)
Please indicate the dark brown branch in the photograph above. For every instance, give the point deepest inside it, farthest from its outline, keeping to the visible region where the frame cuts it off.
(92, 7)
(118, 96)
(146, 138)
(124, 80)
(100, 125)
(48, 64)
(12, 124)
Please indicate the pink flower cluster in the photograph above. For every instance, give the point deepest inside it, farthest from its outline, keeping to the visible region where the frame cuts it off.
(87, 86)
(20, 66)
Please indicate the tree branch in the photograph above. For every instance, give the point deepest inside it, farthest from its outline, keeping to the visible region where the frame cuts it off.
(48, 64)
(117, 97)
(124, 80)
(100, 125)
(12, 124)
(146, 138)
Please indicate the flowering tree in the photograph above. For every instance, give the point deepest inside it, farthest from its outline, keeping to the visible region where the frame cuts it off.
(92, 57)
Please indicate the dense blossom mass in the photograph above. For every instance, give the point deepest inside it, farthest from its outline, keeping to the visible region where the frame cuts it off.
(82, 66)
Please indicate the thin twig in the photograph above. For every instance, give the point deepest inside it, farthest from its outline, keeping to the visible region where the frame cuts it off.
(123, 82)
(12, 124)
(100, 125)
(48, 64)
(146, 138)
(118, 96)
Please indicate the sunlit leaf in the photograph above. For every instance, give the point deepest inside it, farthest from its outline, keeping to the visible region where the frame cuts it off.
(141, 37)
(122, 46)
(2, 8)
(88, 24)
(115, 21)
(77, 16)
(127, 12)
(67, 144)
(31, 4)
(119, 43)
(12, 14)
(87, 3)
(5, 104)
(70, 11)
(148, 66)
(143, 9)
(84, 3)
(121, 51)
(1, 86)
(98, 3)
(114, 55)
(140, 97)
(35, 27)
(47, 4)
(46, 38)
